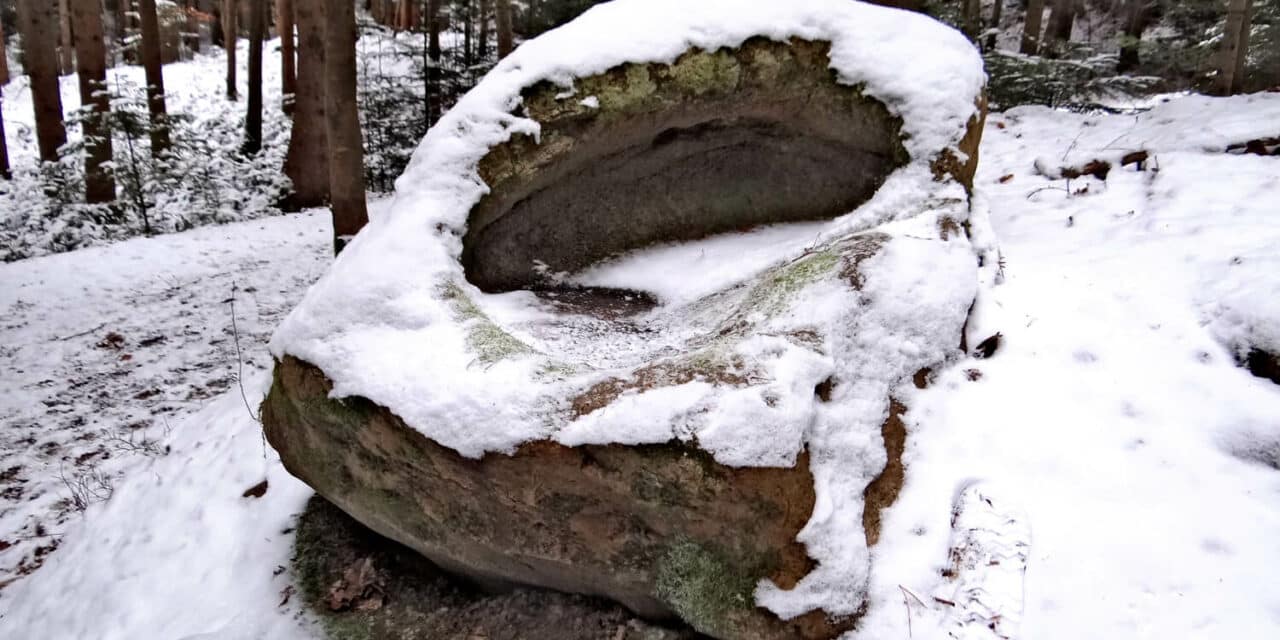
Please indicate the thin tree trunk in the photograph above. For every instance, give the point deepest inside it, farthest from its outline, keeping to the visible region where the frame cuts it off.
(230, 33)
(1242, 51)
(307, 160)
(38, 24)
(1062, 21)
(4, 142)
(433, 61)
(66, 39)
(155, 77)
(997, 12)
(253, 119)
(4, 58)
(288, 66)
(482, 45)
(91, 66)
(1031, 32)
(467, 32)
(506, 41)
(971, 18)
(1234, 47)
(346, 150)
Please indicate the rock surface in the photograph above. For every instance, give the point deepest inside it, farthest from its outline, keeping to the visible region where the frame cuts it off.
(407, 598)
(650, 153)
(724, 457)
(663, 529)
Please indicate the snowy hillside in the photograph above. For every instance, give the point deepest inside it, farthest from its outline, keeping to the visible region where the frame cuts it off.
(1113, 416)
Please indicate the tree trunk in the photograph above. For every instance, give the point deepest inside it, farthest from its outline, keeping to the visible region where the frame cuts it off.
(997, 12)
(1235, 46)
(1061, 22)
(4, 142)
(38, 24)
(307, 161)
(91, 66)
(1135, 22)
(230, 33)
(467, 32)
(288, 66)
(155, 77)
(433, 61)
(66, 39)
(971, 18)
(506, 41)
(482, 45)
(1031, 32)
(346, 150)
(1242, 51)
(4, 57)
(253, 118)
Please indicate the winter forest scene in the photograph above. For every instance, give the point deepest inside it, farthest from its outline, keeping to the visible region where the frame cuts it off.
(639, 319)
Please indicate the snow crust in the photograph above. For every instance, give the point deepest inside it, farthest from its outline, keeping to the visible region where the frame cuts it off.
(396, 322)
(379, 324)
(1115, 414)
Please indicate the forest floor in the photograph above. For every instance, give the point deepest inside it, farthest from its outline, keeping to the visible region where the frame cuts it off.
(1146, 460)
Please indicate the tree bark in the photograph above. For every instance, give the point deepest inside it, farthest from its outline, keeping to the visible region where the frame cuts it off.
(433, 61)
(506, 40)
(288, 65)
(155, 77)
(467, 33)
(38, 23)
(4, 57)
(1031, 32)
(253, 117)
(482, 45)
(230, 33)
(1061, 22)
(91, 66)
(971, 18)
(66, 39)
(307, 160)
(997, 12)
(1235, 45)
(4, 142)
(342, 120)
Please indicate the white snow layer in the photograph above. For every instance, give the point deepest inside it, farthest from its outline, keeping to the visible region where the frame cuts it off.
(384, 322)
(396, 322)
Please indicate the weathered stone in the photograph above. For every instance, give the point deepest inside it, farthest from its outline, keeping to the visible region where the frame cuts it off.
(677, 152)
(663, 529)
(643, 153)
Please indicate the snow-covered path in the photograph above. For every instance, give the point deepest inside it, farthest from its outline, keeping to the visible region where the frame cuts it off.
(105, 350)
(1114, 416)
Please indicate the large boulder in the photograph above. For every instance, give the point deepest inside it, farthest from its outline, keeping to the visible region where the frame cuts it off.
(717, 448)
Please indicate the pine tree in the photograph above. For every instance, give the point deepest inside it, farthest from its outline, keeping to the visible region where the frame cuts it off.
(288, 68)
(1031, 31)
(253, 117)
(230, 33)
(91, 67)
(307, 160)
(155, 77)
(38, 23)
(342, 121)
(1235, 47)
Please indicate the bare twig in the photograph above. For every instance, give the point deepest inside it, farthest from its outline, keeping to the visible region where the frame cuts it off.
(81, 334)
(235, 334)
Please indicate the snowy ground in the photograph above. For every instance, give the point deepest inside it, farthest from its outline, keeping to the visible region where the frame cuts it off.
(1113, 419)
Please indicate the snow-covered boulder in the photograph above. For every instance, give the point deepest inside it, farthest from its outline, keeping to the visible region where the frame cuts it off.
(541, 367)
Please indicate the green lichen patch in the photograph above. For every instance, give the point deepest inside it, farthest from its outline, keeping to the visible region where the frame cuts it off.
(704, 586)
(489, 341)
(777, 287)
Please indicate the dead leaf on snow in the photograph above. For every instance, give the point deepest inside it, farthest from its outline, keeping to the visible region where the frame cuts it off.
(256, 491)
